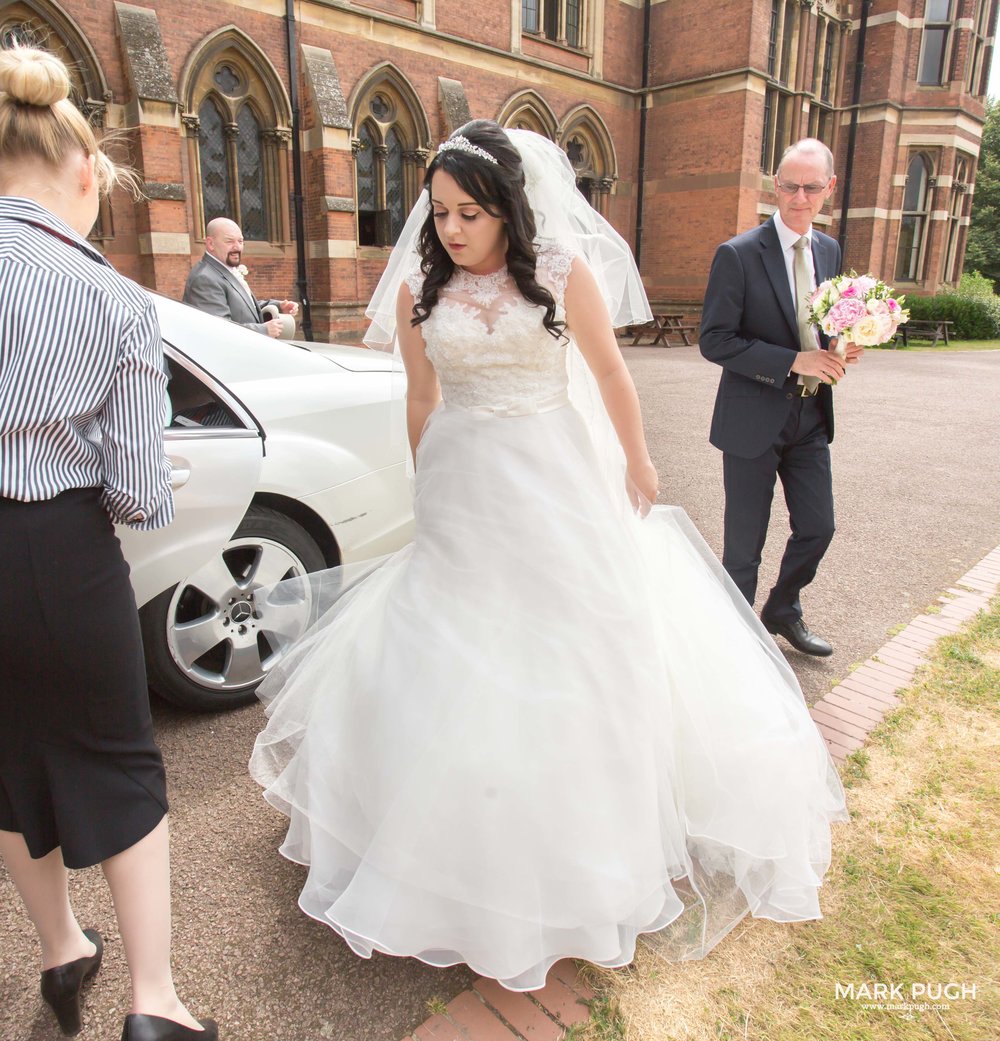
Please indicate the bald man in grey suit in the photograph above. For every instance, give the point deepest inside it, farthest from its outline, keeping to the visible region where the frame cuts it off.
(215, 287)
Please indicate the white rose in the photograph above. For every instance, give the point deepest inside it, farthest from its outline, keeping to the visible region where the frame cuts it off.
(829, 326)
(876, 306)
(867, 331)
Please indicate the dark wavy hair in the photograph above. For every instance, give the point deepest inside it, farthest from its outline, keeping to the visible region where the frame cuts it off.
(499, 189)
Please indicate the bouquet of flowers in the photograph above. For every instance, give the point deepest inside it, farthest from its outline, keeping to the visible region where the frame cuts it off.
(857, 309)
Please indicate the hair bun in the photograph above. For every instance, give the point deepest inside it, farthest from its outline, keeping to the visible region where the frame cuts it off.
(33, 77)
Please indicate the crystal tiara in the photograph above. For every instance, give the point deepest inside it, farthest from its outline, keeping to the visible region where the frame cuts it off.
(463, 144)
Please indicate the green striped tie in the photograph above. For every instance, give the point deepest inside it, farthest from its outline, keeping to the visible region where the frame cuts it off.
(803, 290)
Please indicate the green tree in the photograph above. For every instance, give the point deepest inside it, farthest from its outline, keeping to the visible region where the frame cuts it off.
(983, 250)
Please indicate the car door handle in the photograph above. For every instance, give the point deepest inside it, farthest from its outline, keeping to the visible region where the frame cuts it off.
(179, 475)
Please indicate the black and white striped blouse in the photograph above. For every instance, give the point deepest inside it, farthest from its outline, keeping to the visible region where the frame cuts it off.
(82, 381)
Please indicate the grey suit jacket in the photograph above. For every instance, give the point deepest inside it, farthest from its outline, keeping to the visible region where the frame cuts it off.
(212, 288)
(748, 327)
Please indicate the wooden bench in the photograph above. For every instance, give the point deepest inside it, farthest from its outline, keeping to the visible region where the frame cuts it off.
(662, 327)
(921, 329)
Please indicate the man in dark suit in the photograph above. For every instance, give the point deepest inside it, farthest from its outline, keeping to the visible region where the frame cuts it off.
(774, 408)
(218, 286)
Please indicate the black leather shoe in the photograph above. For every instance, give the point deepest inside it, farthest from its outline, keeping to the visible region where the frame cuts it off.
(61, 985)
(798, 635)
(156, 1028)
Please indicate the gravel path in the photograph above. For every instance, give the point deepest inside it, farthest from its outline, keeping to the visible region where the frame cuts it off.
(918, 502)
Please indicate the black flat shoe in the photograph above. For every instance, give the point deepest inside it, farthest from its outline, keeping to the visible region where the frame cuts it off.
(61, 985)
(155, 1028)
(798, 635)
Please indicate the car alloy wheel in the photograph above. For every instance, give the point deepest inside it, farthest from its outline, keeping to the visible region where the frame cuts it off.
(215, 635)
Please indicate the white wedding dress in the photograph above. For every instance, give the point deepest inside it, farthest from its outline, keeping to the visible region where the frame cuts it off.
(547, 726)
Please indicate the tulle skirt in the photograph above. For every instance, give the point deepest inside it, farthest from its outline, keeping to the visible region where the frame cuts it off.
(543, 729)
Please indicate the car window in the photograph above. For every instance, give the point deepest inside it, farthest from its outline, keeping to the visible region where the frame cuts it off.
(192, 404)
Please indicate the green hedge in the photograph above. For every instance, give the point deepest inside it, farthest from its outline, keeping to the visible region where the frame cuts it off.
(975, 317)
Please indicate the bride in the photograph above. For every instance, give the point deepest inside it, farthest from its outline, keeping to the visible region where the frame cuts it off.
(551, 724)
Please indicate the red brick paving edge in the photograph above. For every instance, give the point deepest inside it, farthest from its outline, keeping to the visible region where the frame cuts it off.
(845, 717)
(856, 705)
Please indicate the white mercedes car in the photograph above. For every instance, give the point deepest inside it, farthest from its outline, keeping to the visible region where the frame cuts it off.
(284, 462)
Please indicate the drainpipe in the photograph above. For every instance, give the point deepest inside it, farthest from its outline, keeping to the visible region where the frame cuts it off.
(859, 72)
(641, 176)
(300, 225)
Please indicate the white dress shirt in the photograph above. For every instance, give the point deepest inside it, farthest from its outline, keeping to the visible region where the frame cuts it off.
(788, 238)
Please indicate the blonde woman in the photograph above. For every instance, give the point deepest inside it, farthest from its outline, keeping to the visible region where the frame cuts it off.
(81, 399)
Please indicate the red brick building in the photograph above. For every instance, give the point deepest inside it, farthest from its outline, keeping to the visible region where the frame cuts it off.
(672, 111)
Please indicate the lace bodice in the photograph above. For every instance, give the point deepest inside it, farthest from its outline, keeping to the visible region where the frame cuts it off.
(488, 344)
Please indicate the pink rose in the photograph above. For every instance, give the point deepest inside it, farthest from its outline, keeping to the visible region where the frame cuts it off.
(892, 305)
(849, 291)
(845, 312)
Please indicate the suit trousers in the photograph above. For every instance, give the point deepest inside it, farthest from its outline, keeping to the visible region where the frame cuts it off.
(801, 459)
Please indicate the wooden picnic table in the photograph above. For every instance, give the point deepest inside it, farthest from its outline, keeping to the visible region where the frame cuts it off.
(923, 329)
(662, 327)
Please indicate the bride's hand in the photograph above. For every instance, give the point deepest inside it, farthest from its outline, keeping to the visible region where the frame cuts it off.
(642, 485)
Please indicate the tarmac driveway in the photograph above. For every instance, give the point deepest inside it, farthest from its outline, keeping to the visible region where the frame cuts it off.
(918, 502)
(916, 475)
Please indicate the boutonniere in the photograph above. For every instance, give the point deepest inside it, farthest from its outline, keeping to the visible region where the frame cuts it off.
(242, 270)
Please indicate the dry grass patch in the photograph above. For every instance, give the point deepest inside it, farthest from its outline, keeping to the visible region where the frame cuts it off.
(912, 897)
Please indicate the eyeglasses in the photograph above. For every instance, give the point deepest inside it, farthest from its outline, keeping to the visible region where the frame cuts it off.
(791, 189)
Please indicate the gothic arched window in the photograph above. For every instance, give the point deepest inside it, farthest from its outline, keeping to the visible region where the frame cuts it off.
(46, 26)
(527, 110)
(390, 153)
(238, 140)
(588, 146)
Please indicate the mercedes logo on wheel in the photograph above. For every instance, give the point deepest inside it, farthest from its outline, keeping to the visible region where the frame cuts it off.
(241, 611)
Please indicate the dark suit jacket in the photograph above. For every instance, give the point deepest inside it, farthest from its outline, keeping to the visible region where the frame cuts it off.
(748, 327)
(213, 288)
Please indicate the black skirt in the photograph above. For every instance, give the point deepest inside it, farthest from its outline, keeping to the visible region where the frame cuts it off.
(79, 768)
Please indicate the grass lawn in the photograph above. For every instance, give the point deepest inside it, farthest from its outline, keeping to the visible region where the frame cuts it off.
(912, 897)
(955, 345)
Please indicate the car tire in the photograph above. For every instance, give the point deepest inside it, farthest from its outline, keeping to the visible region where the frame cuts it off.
(229, 626)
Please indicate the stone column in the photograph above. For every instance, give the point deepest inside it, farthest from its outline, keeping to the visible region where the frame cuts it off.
(604, 187)
(152, 113)
(277, 156)
(330, 206)
(414, 164)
